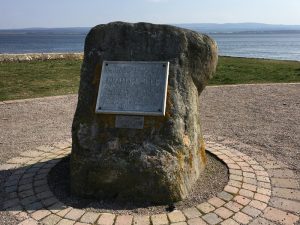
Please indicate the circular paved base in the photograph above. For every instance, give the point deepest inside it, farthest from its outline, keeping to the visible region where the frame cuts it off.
(248, 198)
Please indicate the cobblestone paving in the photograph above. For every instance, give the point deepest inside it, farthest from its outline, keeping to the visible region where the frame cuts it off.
(258, 192)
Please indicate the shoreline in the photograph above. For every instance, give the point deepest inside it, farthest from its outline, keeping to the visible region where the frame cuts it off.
(267, 59)
(23, 57)
(40, 56)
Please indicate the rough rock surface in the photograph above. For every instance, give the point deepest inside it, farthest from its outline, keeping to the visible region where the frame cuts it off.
(161, 162)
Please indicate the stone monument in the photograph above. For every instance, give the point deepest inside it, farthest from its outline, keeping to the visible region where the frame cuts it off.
(136, 131)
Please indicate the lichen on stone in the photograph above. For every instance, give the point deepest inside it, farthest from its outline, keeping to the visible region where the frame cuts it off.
(162, 161)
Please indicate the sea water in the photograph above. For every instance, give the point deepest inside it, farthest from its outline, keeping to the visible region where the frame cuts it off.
(284, 46)
(41, 43)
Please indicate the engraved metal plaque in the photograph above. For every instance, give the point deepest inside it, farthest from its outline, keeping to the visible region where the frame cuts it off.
(135, 122)
(133, 88)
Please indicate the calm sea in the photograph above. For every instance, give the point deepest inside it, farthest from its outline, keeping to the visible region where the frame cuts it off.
(284, 46)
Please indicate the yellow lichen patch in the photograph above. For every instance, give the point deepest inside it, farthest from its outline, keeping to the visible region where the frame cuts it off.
(169, 104)
(186, 140)
(191, 159)
(202, 151)
(180, 158)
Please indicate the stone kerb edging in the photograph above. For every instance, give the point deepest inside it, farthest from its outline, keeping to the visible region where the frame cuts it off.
(244, 200)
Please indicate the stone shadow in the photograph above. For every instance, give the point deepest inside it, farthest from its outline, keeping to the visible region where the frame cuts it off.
(46, 185)
(212, 181)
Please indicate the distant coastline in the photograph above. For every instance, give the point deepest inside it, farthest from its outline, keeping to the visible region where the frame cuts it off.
(85, 32)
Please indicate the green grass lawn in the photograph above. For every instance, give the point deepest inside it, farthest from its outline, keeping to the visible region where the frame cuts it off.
(233, 70)
(57, 77)
(40, 78)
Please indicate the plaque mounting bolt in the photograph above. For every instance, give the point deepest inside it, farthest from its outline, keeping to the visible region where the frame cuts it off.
(159, 110)
(106, 64)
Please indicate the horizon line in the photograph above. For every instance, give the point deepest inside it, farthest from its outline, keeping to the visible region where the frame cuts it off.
(186, 23)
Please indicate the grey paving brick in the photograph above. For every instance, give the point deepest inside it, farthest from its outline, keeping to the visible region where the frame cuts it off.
(212, 218)
(225, 196)
(251, 211)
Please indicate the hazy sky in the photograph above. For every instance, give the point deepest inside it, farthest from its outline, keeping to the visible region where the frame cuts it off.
(86, 13)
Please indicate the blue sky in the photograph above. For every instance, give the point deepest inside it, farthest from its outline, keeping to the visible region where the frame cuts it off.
(87, 13)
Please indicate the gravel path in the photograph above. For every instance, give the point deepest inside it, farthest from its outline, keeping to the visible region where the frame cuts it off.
(254, 118)
(35, 122)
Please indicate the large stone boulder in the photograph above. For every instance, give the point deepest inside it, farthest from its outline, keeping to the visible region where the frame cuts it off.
(161, 162)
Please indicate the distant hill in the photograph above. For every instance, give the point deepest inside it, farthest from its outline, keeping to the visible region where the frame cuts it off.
(200, 27)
